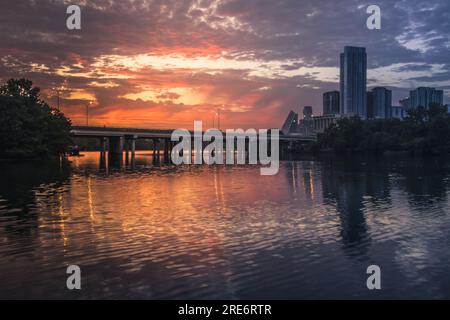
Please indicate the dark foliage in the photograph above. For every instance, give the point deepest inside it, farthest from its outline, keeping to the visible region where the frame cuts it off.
(29, 127)
(425, 131)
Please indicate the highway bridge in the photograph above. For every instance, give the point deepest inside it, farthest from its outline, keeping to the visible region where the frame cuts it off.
(138, 133)
(121, 140)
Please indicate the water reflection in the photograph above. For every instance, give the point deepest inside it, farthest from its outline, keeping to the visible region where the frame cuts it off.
(147, 229)
(347, 190)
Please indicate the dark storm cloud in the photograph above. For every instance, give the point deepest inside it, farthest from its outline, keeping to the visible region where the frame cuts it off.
(309, 33)
(313, 30)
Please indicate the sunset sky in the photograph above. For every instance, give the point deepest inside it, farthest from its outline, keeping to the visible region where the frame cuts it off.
(166, 63)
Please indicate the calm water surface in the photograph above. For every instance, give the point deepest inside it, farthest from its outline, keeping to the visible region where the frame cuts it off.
(159, 231)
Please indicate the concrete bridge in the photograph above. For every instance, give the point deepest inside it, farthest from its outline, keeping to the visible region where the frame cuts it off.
(124, 139)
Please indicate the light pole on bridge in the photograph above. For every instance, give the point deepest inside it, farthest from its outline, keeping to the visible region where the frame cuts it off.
(88, 104)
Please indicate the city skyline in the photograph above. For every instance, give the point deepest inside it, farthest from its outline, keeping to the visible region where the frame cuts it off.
(175, 63)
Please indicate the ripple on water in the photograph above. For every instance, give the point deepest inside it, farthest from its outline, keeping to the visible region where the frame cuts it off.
(225, 232)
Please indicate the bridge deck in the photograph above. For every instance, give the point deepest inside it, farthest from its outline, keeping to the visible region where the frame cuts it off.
(84, 131)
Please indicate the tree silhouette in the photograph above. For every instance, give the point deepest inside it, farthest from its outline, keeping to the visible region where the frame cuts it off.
(424, 131)
(29, 127)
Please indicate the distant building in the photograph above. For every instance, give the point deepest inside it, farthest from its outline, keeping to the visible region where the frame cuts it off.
(307, 112)
(353, 78)
(291, 123)
(425, 97)
(398, 112)
(316, 124)
(331, 102)
(405, 103)
(379, 103)
(320, 123)
(309, 126)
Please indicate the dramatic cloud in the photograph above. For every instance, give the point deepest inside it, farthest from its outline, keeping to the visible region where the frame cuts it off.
(156, 63)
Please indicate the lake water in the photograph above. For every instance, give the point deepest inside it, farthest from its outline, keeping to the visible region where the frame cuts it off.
(204, 232)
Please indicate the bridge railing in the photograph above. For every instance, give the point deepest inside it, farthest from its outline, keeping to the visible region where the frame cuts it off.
(121, 129)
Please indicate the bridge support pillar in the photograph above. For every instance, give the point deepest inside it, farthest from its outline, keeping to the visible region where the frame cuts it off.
(103, 144)
(130, 148)
(171, 145)
(115, 151)
(127, 151)
(133, 148)
(155, 151)
(166, 150)
(133, 151)
(155, 146)
(103, 141)
(116, 145)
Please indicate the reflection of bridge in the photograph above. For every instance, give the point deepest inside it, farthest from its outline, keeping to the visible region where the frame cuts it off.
(124, 139)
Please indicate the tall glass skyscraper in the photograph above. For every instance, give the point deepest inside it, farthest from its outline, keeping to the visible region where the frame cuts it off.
(353, 82)
(424, 97)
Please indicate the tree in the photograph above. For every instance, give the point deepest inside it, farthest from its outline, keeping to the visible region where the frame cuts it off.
(425, 131)
(29, 127)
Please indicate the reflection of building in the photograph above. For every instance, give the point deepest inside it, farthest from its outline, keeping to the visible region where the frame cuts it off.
(346, 190)
(379, 103)
(355, 187)
(353, 77)
(331, 102)
(425, 97)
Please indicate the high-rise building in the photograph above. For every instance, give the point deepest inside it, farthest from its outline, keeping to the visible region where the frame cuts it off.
(307, 112)
(331, 102)
(424, 97)
(290, 125)
(379, 103)
(353, 77)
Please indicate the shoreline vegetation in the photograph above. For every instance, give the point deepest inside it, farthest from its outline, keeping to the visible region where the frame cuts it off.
(29, 128)
(424, 132)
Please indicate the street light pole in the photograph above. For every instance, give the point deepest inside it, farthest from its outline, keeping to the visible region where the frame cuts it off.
(58, 93)
(218, 118)
(87, 113)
